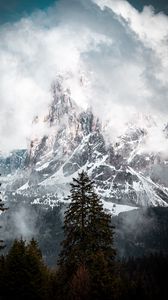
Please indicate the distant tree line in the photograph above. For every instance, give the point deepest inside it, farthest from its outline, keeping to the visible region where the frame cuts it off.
(2, 209)
(87, 267)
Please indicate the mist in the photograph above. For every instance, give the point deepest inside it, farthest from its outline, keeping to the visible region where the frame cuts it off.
(19, 221)
(112, 57)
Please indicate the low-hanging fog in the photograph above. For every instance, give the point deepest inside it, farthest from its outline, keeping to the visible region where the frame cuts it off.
(113, 58)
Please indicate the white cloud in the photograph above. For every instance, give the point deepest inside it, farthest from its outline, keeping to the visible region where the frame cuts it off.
(151, 31)
(120, 53)
(151, 28)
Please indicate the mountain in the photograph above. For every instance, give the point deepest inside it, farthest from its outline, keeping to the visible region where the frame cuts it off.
(75, 140)
(130, 179)
(13, 162)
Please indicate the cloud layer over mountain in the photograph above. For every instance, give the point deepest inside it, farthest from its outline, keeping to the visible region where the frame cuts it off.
(113, 58)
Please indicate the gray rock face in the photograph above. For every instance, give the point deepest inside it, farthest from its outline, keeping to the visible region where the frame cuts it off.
(75, 142)
(16, 160)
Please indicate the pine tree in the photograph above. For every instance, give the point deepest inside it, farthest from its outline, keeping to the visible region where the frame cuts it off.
(2, 209)
(88, 235)
(25, 274)
(15, 283)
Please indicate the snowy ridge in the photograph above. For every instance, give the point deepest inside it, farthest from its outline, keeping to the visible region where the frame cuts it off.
(147, 190)
(74, 141)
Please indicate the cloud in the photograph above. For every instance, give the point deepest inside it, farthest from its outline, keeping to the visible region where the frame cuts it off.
(120, 54)
(151, 31)
(19, 221)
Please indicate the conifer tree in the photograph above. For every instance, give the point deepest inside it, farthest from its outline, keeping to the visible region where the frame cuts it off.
(36, 270)
(25, 274)
(88, 235)
(2, 209)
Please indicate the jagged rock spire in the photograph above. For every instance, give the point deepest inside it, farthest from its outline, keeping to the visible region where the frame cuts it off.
(61, 103)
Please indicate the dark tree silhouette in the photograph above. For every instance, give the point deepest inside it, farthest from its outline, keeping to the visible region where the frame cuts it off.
(88, 243)
(2, 209)
(25, 275)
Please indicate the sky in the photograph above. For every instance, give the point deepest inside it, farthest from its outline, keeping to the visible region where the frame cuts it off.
(118, 48)
(159, 5)
(12, 10)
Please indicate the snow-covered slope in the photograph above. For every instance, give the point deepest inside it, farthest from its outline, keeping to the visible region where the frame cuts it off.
(74, 141)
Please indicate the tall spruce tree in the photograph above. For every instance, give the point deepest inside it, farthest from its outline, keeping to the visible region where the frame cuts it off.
(88, 236)
(2, 209)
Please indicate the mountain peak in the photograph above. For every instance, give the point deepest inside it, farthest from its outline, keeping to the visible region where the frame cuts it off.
(74, 140)
(62, 104)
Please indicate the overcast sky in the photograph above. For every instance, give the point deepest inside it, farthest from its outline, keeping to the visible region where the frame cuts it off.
(120, 52)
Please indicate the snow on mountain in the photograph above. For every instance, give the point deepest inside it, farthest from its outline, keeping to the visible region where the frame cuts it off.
(74, 140)
(12, 162)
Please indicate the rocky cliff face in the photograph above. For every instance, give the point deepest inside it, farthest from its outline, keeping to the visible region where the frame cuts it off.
(74, 141)
(15, 161)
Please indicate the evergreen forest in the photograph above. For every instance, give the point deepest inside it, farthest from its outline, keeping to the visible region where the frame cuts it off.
(88, 267)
